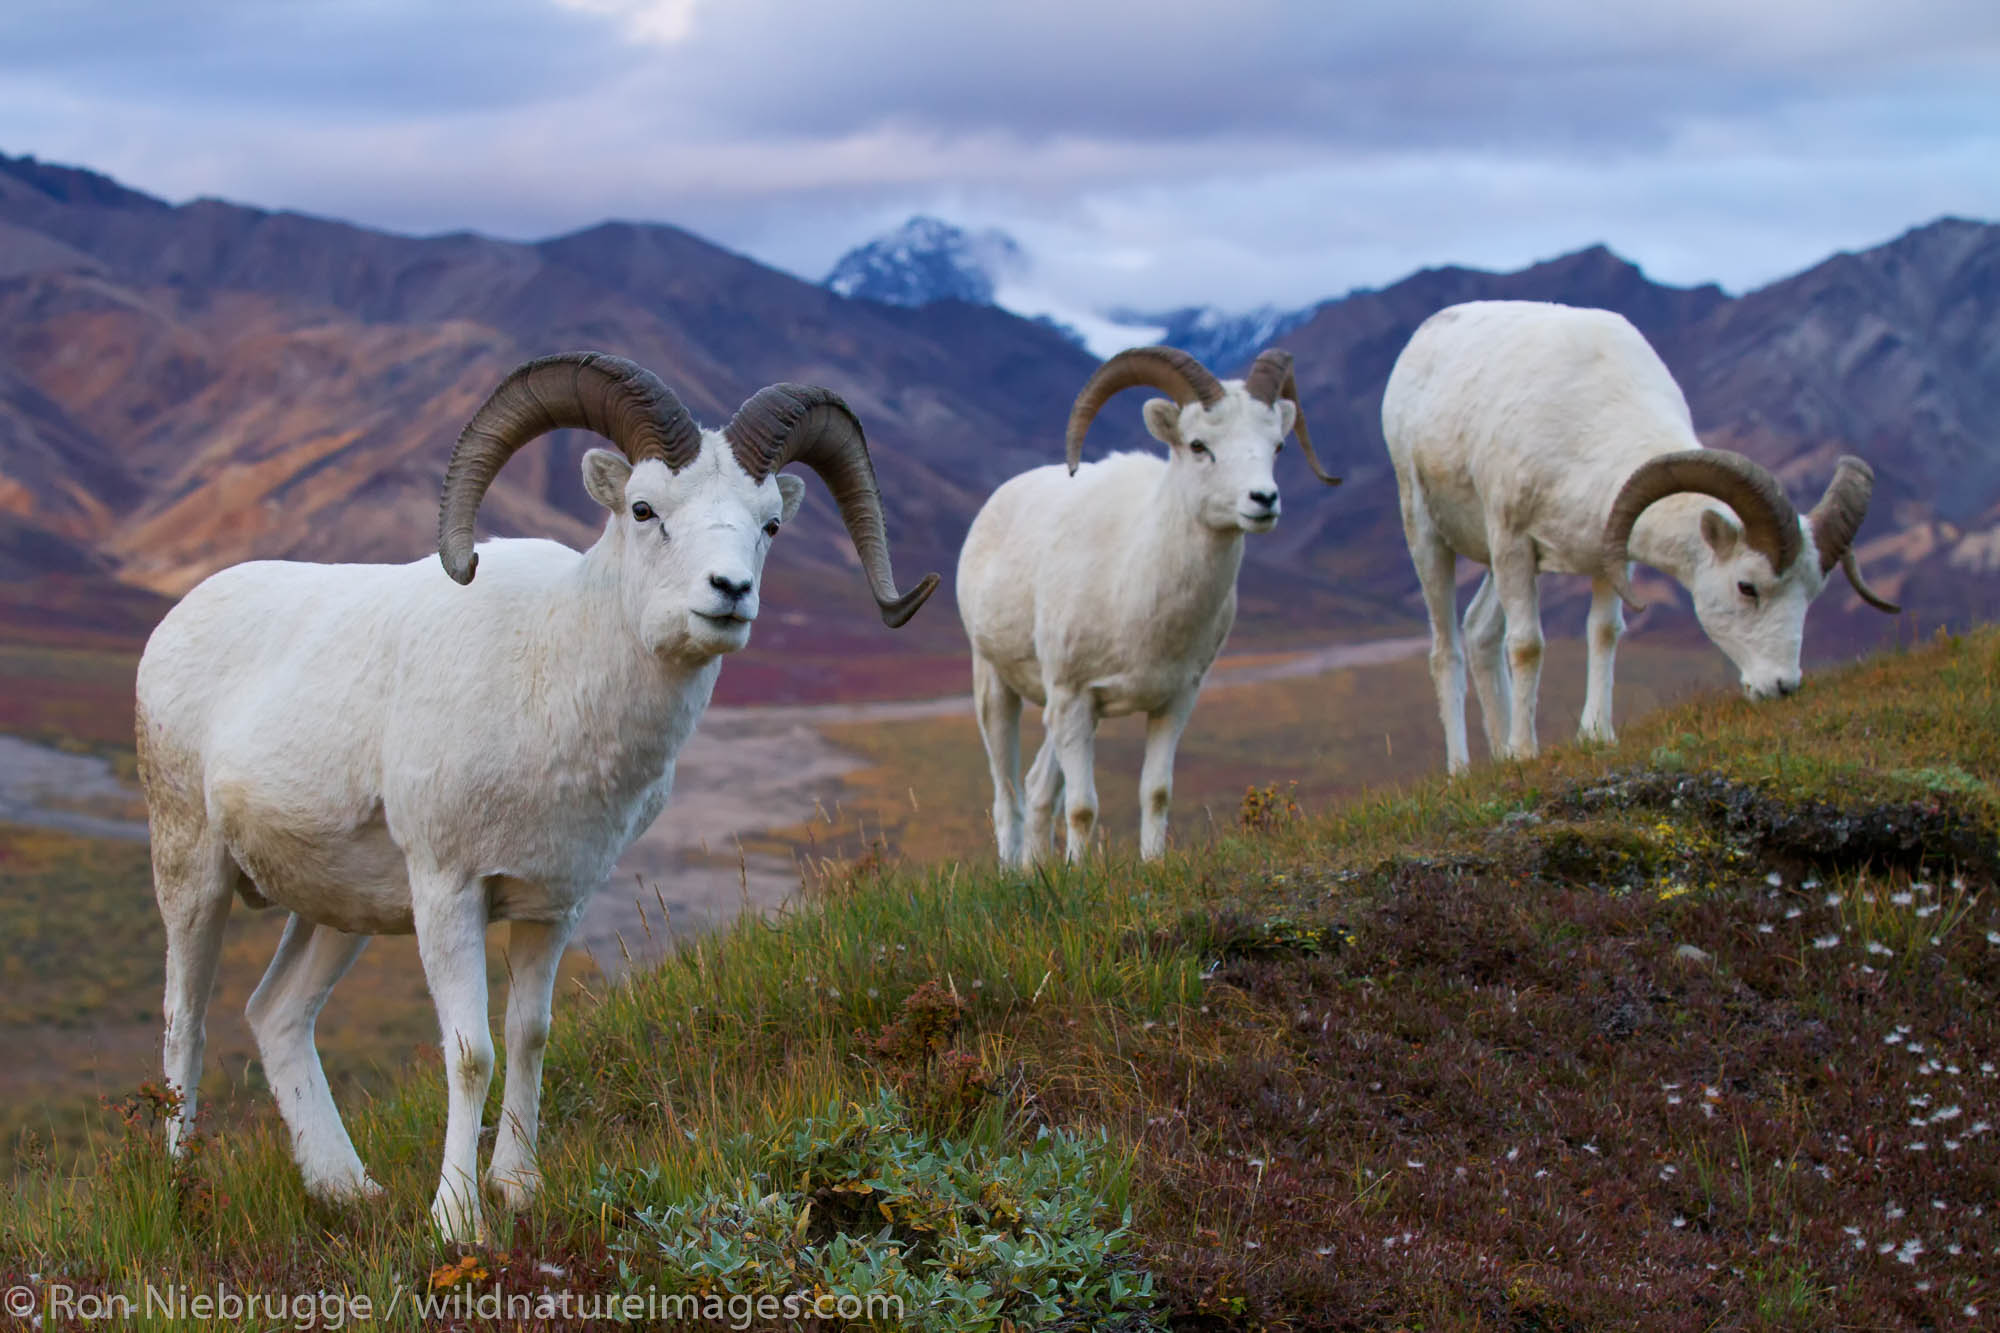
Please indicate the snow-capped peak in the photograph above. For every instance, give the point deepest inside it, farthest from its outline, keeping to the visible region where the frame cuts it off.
(925, 260)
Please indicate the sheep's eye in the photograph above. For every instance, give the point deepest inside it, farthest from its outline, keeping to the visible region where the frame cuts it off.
(1748, 590)
(1198, 449)
(642, 511)
(771, 528)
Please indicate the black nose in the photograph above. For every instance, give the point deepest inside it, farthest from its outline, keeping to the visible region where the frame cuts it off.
(1788, 687)
(1266, 498)
(733, 591)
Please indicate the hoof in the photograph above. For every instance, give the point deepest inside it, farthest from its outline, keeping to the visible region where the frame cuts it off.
(459, 1220)
(514, 1190)
(342, 1191)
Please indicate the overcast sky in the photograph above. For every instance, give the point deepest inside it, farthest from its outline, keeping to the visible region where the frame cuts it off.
(1145, 153)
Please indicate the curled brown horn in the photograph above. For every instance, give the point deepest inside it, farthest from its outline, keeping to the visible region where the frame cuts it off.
(1269, 378)
(1168, 369)
(1835, 520)
(801, 423)
(623, 402)
(1770, 523)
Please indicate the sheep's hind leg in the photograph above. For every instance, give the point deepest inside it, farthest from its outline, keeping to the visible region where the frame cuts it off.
(1485, 636)
(1156, 776)
(534, 950)
(451, 939)
(999, 710)
(1072, 723)
(1437, 569)
(310, 962)
(193, 880)
(1602, 630)
(1045, 789)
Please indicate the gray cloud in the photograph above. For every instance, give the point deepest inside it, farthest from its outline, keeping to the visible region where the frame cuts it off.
(1147, 153)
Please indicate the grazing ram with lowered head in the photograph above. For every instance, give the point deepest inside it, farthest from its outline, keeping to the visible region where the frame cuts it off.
(379, 750)
(1108, 589)
(1534, 437)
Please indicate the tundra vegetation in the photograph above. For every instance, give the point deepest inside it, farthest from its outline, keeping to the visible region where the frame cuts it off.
(1698, 1029)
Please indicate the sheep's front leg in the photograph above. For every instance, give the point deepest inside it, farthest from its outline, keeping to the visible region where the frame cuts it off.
(999, 712)
(1605, 625)
(1071, 719)
(451, 939)
(1156, 776)
(1514, 574)
(534, 950)
(1485, 639)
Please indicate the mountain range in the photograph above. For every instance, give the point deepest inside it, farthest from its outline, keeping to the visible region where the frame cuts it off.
(183, 387)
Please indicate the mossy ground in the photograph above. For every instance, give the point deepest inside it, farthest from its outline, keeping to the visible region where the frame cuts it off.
(1695, 1031)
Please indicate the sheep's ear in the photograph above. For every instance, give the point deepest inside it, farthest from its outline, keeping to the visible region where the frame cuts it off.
(1719, 532)
(604, 476)
(793, 492)
(1163, 421)
(1288, 416)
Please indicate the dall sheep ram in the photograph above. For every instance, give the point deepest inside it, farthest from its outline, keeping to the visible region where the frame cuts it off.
(1534, 437)
(1107, 590)
(378, 750)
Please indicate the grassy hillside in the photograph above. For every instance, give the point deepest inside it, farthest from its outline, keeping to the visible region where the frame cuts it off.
(1695, 1031)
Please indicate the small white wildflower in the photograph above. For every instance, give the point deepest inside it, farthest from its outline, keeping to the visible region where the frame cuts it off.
(1920, 886)
(874, 994)
(1673, 1099)
(1902, 899)
(1833, 900)
(1893, 1039)
(1711, 1092)
(1809, 884)
(1976, 1127)
(1885, 1247)
(1679, 1222)
(1541, 1173)
(1972, 1312)
(1879, 949)
(1513, 1153)
(1924, 1285)
(1591, 1148)
(1324, 1251)
(1918, 1146)
(1928, 909)
(1946, 1113)
(1414, 1164)
(1708, 1109)
(1765, 928)
(1918, 1121)
(1924, 1100)
(1938, 1204)
(1852, 1231)
(1893, 1211)
(1826, 941)
(1993, 937)
(1986, 1066)
(1859, 1243)
(1954, 1248)
(1953, 1145)
(1251, 1245)
(1775, 880)
(1909, 1251)
(1951, 1069)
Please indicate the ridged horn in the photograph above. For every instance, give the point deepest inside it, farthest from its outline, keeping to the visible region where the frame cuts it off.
(1835, 520)
(623, 402)
(1168, 369)
(1770, 523)
(801, 423)
(1269, 379)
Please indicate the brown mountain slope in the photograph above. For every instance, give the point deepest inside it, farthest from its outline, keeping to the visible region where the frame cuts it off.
(184, 387)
